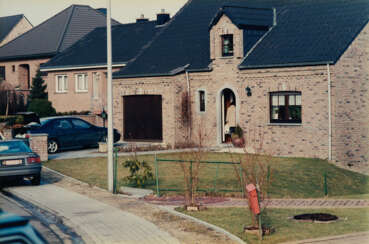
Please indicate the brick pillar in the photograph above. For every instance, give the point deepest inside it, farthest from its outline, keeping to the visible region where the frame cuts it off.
(38, 144)
(7, 133)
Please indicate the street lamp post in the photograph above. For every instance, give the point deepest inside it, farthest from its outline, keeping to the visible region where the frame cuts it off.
(109, 99)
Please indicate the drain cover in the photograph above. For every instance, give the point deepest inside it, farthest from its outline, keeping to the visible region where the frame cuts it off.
(316, 217)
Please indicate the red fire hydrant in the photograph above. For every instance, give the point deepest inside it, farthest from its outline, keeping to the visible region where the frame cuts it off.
(253, 198)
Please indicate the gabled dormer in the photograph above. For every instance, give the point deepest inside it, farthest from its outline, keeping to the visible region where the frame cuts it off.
(235, 30)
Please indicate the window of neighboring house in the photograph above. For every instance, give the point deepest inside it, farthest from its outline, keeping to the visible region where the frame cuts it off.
(13, 68)
(61, 83)
(95, 84)
(202, 101)
(2, 72)
(81, 83)
(285, 107)
(227, 45)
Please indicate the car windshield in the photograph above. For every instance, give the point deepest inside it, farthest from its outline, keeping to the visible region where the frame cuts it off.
(9, 147)
(44, 121)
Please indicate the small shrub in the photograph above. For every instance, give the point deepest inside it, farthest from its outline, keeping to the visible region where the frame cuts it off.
(42, 107)
(140, 173)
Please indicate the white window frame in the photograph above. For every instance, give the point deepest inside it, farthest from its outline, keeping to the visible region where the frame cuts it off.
(85, 81)
(64, 84)
(96, 84)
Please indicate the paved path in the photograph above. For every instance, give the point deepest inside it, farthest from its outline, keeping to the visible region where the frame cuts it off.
(299, 203)
(101, 222)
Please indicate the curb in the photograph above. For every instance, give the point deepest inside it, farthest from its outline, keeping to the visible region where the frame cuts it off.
(85, 236)
(216, 228)
(330, 238)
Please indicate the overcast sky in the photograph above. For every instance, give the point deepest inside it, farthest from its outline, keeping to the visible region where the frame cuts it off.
(124, 11)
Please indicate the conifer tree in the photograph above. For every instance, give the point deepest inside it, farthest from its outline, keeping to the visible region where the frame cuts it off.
(38, 90)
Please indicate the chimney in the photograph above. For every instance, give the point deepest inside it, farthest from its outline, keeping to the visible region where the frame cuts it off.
(102, 10)
(141, 19)
(162, 17)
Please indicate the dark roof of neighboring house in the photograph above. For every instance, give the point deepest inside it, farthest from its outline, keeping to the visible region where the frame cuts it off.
(7, 24)
(55, 34)
(127, 41)
(307, 32)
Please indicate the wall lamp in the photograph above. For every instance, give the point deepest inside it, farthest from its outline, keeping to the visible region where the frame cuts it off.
(248, 91)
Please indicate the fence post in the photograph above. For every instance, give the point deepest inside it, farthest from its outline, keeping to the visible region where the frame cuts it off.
(191, 180)
(242, 186)
(115, 169)
(157, 176)
(325, 184)
(216, 177)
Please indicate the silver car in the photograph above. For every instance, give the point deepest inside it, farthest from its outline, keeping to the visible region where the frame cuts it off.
(18, 160)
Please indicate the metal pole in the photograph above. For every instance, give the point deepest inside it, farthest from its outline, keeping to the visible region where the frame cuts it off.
(329, 114)
(157, 176)
(109, 99)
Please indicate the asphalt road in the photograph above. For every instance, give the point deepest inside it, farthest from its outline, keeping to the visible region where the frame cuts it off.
(51, 227)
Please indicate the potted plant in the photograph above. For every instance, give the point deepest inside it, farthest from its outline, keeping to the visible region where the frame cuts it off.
(237, 137)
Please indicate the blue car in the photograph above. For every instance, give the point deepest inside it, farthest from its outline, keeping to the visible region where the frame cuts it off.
(16, 229)
(69, 133)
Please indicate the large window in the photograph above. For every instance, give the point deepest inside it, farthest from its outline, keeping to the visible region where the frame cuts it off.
(2, 72)
(61, 83)
(227, 45)
(285, 107)
(81, 83)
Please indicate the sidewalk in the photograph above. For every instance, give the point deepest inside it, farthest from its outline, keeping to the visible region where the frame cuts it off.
(101, 222)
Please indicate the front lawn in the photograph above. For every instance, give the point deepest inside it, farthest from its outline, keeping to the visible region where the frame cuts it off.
(234, 219)
(291, 177)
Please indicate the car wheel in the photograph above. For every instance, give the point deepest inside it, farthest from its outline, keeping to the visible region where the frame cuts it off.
(36, 180)
(52, 146)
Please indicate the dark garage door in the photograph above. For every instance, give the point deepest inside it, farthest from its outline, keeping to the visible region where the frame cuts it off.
(143, 117)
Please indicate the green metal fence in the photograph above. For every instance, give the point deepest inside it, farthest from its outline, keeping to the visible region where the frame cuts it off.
(213, 176)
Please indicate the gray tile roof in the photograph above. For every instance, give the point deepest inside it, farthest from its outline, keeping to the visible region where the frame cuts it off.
(127, 41)
(55, 34)
(7, 24)
(307, 32)
(245, 16)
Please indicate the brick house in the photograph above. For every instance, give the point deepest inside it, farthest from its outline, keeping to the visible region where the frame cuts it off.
(77, 78)
(295, 72)
(13, 26)
(21, 58)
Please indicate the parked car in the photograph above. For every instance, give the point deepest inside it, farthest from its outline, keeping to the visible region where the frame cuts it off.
(18, 160)
(16, 229)
(69, 132)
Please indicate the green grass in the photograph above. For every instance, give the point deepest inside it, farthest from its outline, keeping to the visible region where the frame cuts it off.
(291, 177)
(234, 219)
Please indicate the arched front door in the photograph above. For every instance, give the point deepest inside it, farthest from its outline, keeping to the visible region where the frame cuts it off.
(228, 114)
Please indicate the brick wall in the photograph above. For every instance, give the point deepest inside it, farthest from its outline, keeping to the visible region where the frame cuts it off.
(16, 77)
(23, 26)
(38, 144)
(350, 92)
(223, 27)
(71, 100)
(7, 133)
(167, 87)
